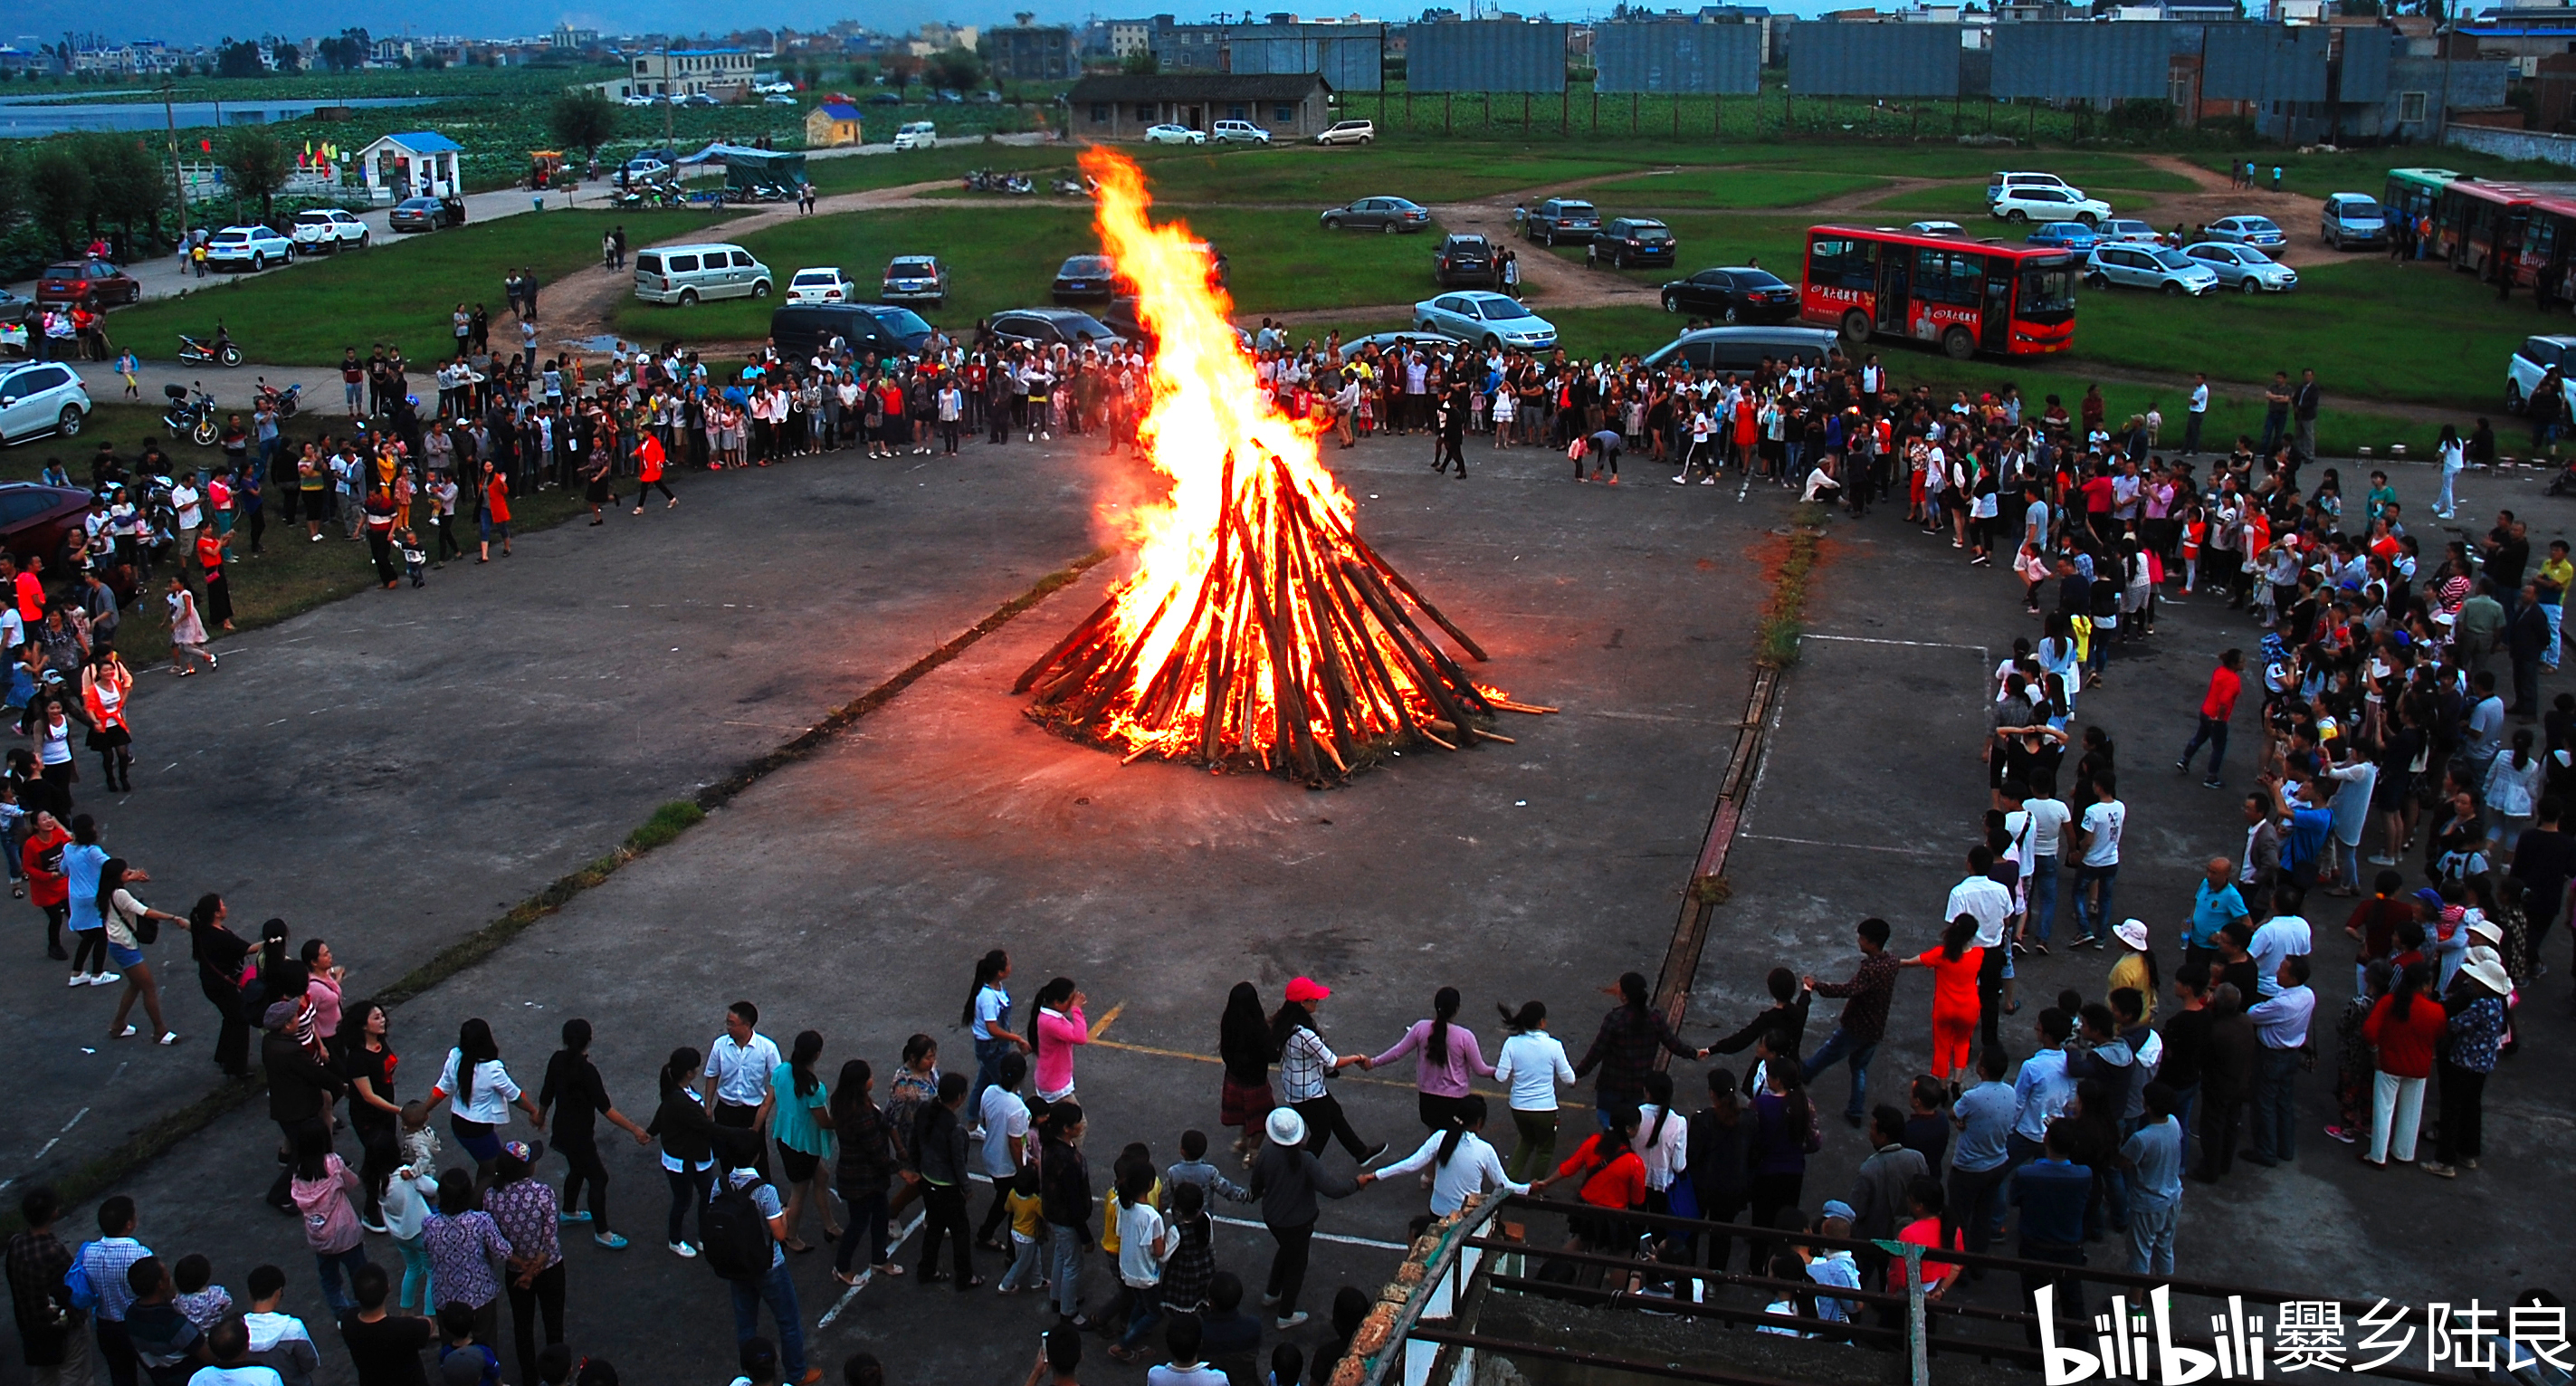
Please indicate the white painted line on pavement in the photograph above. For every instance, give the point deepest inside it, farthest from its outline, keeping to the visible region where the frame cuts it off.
(1875, 640)
(1844, 846)
(866, 1275)
(1320, 1236)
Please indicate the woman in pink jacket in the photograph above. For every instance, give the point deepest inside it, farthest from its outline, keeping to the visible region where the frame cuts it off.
(1059, 1028)
(1449, 1060)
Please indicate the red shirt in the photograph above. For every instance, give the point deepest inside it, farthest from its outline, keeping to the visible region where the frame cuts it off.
(2406, 1043)
(210, 551)
(42, 856)
(31, 599)
(1924, 1232)
(2097, 495)
(1618, 1184)
(496, 498)
(2220, 704)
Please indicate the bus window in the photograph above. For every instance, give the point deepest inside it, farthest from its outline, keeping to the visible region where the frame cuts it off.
(2047, 293)
(1948, 276)
(1839, 262)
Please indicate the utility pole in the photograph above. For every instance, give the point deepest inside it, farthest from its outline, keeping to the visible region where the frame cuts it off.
(666, 106)
(2442, 117)
(178, 181)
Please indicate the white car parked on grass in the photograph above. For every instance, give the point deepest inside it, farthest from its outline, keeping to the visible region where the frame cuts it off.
(1490, 319)
(1174, 134)
(327, 229)
(2022, 204)
(1348, 132)
(825, 285)
(1239, 132)
(2531, 361)
(917, 134)
(39, 399)
(248, 247)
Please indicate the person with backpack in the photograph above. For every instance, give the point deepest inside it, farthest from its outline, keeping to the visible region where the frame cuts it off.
(744, 1227)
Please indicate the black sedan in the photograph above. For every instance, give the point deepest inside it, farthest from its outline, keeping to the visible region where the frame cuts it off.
(1086, 279)
(1046, 327)
(1464, 260)
(1740, 294)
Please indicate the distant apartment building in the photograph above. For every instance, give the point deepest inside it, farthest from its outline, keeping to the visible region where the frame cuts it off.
(715, 72)
(1031, 53)
(571, 39)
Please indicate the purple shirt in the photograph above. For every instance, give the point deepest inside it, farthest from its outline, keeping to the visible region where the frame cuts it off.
(461, 1251)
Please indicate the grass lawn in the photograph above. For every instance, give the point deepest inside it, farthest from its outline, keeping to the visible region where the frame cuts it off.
(2370, 328)
(1426, 171)
(1964, 203)
(1753, 188)
(2366, 170)
(1279, 261)
(1778, 244)
(394, 293)
(291, 575)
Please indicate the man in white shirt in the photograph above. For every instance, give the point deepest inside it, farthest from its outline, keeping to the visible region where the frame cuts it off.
(739, 1063)
(2042, 835)
(1981, 897)
(2098, 832)
(2281, 1025)
(2199, 411)
(2284, 936)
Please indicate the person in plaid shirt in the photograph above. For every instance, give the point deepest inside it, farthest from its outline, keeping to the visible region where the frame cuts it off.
(1864, 1018)
(1625, 1049)
(524, 1209)
(50, 1340)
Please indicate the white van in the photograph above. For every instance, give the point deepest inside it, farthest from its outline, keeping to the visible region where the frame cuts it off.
(683, 274)
(917, 134)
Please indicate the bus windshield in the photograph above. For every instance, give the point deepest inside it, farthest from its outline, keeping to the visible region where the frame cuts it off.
(2047, 293)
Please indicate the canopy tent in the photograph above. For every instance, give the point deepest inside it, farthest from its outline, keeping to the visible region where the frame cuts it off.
(749, 167)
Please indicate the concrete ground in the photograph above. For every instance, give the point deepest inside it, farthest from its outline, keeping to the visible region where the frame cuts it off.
(850, 892)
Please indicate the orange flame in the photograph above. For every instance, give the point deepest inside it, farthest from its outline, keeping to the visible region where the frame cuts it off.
(1256, 626)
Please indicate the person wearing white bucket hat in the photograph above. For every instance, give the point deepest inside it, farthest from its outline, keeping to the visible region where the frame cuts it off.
(1287, 1177)
(2137, 967)
(2477, 1028)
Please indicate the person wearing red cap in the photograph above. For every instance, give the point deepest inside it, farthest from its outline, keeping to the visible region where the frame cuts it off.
(1305, 1062)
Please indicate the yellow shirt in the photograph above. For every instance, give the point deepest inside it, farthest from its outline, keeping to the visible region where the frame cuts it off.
(1025, 1214)
(2555, 574)
(2131, 971)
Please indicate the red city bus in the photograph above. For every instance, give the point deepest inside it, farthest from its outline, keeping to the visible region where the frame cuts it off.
(1969, 296)
(2479, 225)
(2541, 255)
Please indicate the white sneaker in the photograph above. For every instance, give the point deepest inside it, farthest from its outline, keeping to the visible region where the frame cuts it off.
(1291, 1321)
(78, 979)
(170, 1037)
(684, 1250)
(107, 979)
(126, 1033)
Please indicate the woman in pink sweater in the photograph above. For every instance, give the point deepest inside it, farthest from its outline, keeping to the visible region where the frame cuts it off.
(1059, 1028)
(1449, 1059)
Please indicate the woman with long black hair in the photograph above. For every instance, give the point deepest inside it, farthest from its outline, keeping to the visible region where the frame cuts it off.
(1243, 1044)
(1459, 1161)
(864, 1169)
(127, 920)
(1052, 1036)
(1530, 1067)
(988, 1018)
(479, 1093)
(574, 1097)
(1449, 1055)
(688, 1136)
(801, 1120)
(367, 1058)
(220, 954)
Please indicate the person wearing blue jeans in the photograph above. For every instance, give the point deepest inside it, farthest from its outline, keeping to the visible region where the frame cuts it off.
(776, 1288)
(2217, 709)
(1864, 1019)
(2099, 828)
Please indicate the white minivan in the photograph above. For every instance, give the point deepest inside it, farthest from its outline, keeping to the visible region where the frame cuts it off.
(917, 134)
(683, 274)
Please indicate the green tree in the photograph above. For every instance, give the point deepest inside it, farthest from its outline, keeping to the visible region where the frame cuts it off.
(813, 75)
(957, 69)
(1142, 63)
(59, 191)
(289, 58)
(255, 165)
(346, 53)
(239, 60)
(583, 120)
(130, 185)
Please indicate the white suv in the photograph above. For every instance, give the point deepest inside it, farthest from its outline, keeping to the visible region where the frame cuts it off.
(2530, 362)
(2025, 204)
(253, 248)
(1239, 132)
(2006, 181)
(327, 229)
(1348, 132)
(918, 134)
(39, 399)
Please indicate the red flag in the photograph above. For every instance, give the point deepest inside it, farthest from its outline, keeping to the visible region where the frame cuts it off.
(205, 146)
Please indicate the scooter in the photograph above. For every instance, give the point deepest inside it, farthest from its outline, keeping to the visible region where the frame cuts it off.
(190, 415)
(285, 401)
(221, 350)
(1019, 183)
(1073, 187)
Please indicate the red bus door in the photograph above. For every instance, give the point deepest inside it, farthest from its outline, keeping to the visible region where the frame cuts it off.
(1994, 316)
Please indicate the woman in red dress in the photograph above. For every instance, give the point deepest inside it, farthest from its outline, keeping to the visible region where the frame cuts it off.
(1954, 993)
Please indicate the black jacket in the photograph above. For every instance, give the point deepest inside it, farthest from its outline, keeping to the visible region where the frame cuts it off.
(688, 1133)
(1064, 1188)
(296, 1080)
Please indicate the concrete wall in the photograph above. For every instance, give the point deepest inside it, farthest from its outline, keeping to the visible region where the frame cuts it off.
(2514, 144)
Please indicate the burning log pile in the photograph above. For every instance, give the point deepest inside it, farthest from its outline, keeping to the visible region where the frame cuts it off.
(1258, 631)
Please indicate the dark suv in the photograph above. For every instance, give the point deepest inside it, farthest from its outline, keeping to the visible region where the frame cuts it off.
(1464, 261)
(1562, 219)
(1629, 241)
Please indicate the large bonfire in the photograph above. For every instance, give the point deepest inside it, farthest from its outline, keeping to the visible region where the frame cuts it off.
(1258, 630)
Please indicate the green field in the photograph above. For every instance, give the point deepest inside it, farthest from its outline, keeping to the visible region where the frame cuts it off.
(1280, 261)
(1747, 188)
(398, 294)
(2366, 170)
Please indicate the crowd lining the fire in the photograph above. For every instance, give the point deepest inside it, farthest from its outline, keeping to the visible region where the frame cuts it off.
(2382, 726)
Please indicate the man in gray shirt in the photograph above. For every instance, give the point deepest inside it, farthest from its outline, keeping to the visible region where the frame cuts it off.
(1982, 1157)
(2153, 1159)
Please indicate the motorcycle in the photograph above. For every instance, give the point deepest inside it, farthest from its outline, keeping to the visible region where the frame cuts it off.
(285, 402)
(1019, 184)
(190, 414)
(219, 351)
(1074, 187)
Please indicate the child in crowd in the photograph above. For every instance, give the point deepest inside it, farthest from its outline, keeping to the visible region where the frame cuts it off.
(205, 1304)
(456, 1328)
(415, 558)
(1026, 1209)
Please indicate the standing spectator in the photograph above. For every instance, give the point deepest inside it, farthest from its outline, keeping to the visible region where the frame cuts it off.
(939, 1157)
(2217, 708)
(384, 1347)
(739, 1064)
(105, 1262)
(751, 1208)
(2476, 1029)
(2281, 1026)
(2403, 1028)
(525, 1211)
(52, 1340)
